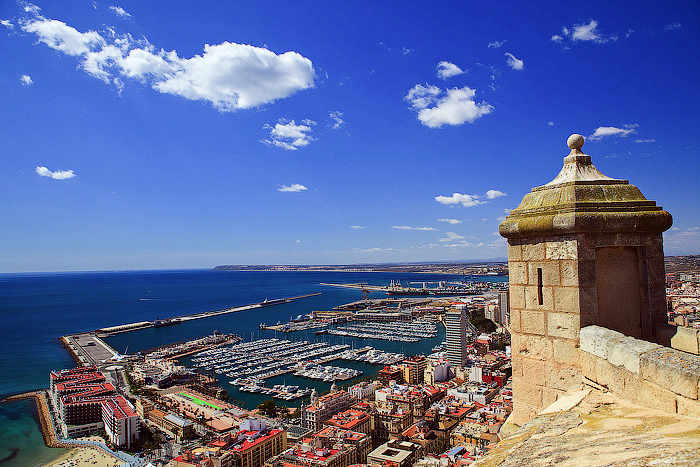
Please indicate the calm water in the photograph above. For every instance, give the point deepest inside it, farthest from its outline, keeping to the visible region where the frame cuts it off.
(36, 309)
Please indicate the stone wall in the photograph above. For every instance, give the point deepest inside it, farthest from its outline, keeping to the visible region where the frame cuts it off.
(679, 338)
(642, 372)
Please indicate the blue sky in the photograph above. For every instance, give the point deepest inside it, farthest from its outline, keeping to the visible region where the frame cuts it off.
(139, 135)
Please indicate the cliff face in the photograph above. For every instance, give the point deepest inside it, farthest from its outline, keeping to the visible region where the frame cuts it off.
(590, 427)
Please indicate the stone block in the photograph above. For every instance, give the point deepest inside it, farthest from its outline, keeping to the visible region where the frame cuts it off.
(628, 352)
(532, 346)
(527, 393)
(517, 366)
(562, 378)
(586, 273)
(550, 273)
(517, 272)
(517, 296)
(656, 272)
(514, 251)
(532, 322)
(569, 273)
(685, 339)
(664, 333)
(534, 371)
(677, 371)
(564, 325)
(597, 340)
(533, 252)
(561, 249)
(566, 352)
(532, 298)
(515, 322)
(687, 407)
(588, 319)
(589, 366)
(658, 397)
(550, 396)
(522, 412)
(566, 299)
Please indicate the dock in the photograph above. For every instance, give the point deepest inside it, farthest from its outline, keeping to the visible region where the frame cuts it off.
(108, 331)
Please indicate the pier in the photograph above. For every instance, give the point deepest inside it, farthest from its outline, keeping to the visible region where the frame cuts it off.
(108, 331)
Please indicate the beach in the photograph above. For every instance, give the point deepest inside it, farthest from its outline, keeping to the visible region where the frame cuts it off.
(87, 456)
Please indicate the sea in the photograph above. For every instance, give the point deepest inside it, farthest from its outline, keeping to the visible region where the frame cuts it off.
(37, 308)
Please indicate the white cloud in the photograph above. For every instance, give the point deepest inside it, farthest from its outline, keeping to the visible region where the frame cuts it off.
(372, 250)
(230, 76)
(356, 227)
(672, 26)
(650, 140)
(550, 123)
(448, 70)
(458, 198)
(336, 119)
(7, 23)
(286, 134)
(496, 44)
(513, 62)
(587, 32)
(293, 188)
(451, 237)
(26, 80)
(405, 227)
(59, 36)
(603, 131)
(450, 107)
(119, 11)
(493, 194)
(57, 174)
(450, 221)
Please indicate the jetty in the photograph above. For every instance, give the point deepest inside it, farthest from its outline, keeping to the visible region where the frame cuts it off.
(108, 331)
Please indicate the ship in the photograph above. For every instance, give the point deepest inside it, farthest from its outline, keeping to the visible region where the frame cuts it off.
(159, 323)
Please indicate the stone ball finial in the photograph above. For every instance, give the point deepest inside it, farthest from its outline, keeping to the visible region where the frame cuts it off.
(575, 141)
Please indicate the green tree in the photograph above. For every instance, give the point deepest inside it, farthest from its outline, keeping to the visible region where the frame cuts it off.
(268, 408)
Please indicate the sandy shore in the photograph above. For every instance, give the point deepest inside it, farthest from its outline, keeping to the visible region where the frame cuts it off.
(87, 456)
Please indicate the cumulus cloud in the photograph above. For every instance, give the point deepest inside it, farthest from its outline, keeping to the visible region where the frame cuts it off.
(457, 198)
(450, 221)
(119, 11)
(286, 134)
(451, 237)
(603, 131)
(356, 227)
(587, 32)
(513, 62)
(57, 174)
(293, 188)
(26, 80)
(228, 75)
(467, 200)
(448, 70)
(406, 227)
(496, 44)
(336, 119)
(7, 23)
(436, 107)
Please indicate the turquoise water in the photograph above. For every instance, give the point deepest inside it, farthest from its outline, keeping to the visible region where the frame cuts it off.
(21, 442)
(36, 309)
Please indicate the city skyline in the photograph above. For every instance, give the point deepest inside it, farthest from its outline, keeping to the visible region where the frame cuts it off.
(148, 136)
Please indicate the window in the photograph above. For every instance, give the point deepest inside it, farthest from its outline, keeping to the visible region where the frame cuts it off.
(540, 299)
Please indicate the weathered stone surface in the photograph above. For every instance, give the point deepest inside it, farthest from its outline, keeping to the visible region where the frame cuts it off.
(532, 346)
(528, 393)
(569, 273)
(564, 325)
(672, 369)
(687, 407)
(628, 353)
(566, 299)
(532, 322)
(517, 296)
(566, 248)
(601, 430)
(562, 378)
(550, 272)
(534, 371)
(517, 272)
(566, 352)
(597, 340)
(686, 339)
(533, 252)
(514, 251)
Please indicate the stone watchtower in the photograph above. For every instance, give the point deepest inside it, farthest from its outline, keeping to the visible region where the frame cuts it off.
(583, 249)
